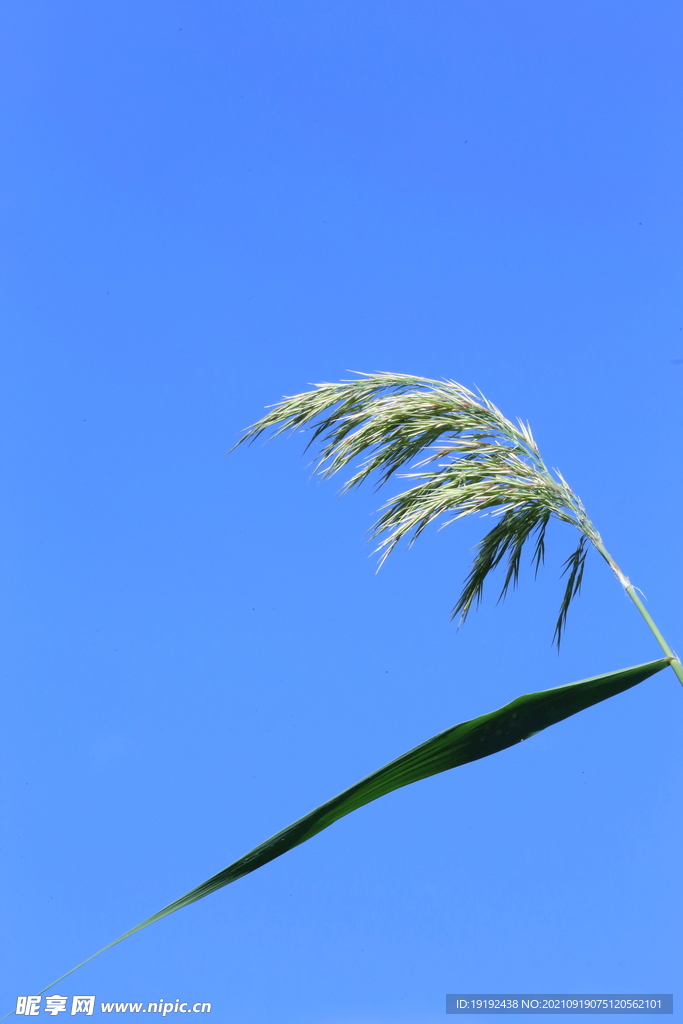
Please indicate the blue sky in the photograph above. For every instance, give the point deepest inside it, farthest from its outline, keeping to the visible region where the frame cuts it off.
(206, 206)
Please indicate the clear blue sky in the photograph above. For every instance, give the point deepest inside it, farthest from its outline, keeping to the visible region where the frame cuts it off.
(208, 205)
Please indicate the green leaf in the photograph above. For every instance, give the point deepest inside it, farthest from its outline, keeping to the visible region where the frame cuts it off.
(458, 745)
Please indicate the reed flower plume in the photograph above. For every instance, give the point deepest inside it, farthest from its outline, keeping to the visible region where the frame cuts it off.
(463, 457)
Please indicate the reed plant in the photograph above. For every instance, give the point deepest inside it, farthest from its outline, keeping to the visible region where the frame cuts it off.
(461, 457)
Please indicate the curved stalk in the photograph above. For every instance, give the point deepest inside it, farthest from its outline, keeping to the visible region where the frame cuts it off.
(633, 594)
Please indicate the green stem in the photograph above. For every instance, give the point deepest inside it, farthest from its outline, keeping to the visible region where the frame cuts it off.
(633, 594)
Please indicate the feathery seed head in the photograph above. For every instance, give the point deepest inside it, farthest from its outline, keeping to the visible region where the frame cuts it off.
(474, 460)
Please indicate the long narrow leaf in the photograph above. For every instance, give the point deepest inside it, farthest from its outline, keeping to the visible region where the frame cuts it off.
(458, 745)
